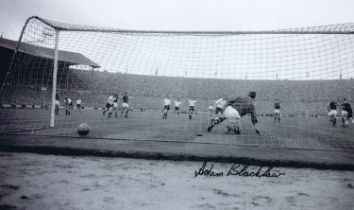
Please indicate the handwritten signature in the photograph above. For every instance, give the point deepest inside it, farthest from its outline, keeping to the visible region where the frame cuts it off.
(237, 170)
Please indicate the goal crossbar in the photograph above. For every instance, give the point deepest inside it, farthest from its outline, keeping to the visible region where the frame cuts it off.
(346, 28)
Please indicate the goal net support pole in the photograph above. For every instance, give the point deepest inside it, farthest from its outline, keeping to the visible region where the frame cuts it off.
(55, 73)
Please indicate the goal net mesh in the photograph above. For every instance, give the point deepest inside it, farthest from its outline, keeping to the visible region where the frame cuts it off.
(304, 68)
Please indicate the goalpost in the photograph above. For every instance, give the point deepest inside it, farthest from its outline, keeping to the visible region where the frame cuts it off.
(55, 73)
(305, 68)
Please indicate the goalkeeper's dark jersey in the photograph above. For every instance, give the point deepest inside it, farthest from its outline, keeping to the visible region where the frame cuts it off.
(346, 107)
(276, 105)
(332, 106)
(125, 99)
(244, 105)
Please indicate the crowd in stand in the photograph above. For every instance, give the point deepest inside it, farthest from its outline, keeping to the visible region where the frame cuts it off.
(298, 97)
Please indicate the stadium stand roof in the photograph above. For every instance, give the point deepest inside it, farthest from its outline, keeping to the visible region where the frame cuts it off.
(64, 56)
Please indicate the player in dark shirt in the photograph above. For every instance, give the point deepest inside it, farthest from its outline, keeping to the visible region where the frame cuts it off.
(347, 113)
(244, 105)
(332, 112)
(125, 105)
(277, 111)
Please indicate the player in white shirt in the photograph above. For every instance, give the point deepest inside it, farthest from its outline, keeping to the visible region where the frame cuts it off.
(234, 120)
(220, 106)
(191, 108)
(115, 105)
(78, 104)
(68, 104)
(235, 109)
(211, 108)
(177, 107)
(166, 107)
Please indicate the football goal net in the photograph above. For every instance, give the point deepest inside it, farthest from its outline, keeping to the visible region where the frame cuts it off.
(116, 80)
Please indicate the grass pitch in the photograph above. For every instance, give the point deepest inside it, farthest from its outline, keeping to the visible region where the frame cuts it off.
(291, 133)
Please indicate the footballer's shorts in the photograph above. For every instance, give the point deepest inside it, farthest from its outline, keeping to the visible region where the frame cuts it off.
(345, 113)
(115, 105)
(78, 106)
(176, 108)
(276, 111)
(166, 107)
(125, 105)
(57, 103)
(231, 114)
(108, 105)
(68, 106)
(191, 108)
(332, 113)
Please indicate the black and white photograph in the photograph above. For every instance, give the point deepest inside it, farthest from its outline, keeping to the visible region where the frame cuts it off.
(176, 104)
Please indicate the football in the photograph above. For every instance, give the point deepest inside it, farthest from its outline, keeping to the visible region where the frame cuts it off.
(83, 129)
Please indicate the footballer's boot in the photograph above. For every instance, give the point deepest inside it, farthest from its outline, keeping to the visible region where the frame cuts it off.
(228, 129)
(212, 123)
(210, 128)
(237, 131)
(215, 122)
(345, 124)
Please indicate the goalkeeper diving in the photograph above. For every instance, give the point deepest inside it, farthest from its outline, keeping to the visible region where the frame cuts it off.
(234, 110)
